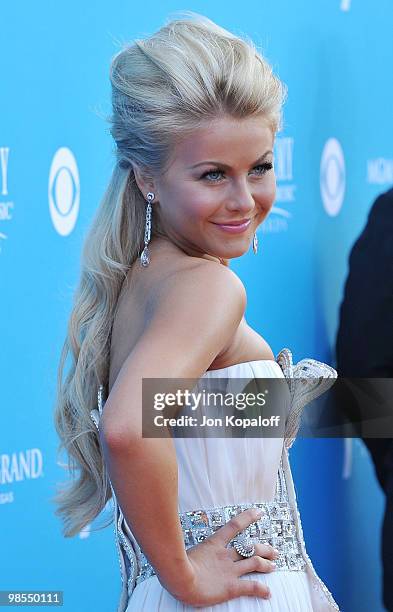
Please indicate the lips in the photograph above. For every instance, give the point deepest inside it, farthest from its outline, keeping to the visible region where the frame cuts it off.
(233, 223)
(234, 227)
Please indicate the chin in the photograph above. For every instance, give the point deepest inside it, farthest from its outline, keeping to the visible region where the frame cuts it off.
(233, 253)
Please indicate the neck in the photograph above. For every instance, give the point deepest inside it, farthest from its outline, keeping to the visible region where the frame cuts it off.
(162, 237)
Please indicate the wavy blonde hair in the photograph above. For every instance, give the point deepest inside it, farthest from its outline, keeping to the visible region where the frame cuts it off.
(163, 88)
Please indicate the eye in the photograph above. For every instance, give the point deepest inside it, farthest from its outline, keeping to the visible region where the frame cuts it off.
(215, 173)
(209, 173)
(265, 167)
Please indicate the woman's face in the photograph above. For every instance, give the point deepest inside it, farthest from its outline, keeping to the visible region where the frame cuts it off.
(222, 174)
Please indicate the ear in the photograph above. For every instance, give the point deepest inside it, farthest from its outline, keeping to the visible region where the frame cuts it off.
(144, 182)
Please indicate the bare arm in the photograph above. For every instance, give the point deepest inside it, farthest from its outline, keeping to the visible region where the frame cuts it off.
(198, 312)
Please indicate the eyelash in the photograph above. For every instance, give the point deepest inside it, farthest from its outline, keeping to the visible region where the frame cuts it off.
(266, 167)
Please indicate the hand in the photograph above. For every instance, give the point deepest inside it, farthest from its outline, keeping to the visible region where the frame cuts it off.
(216, 570)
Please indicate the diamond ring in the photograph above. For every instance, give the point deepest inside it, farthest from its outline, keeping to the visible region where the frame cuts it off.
(244, 546)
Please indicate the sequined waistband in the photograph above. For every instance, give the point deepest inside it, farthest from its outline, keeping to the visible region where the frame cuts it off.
(276, 527)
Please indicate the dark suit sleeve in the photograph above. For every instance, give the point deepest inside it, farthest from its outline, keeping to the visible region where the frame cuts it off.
(364, 346)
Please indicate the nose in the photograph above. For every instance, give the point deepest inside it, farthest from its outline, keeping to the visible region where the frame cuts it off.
(241, 198)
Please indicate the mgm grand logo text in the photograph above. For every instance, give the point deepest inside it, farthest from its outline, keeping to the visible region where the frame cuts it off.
(22, 465)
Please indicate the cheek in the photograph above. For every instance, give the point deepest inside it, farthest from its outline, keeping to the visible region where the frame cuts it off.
(198, 202)
(267, 193)
(183, 203)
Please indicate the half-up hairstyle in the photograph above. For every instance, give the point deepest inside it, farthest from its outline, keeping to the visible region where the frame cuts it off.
(163, 88)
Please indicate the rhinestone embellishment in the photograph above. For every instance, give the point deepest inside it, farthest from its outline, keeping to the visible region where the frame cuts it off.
(276, 526)
(244, 546)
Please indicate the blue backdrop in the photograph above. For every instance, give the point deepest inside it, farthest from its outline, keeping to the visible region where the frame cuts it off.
(332, 159)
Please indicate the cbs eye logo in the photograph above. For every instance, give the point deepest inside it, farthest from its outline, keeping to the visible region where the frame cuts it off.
(345, 5)
(64, 191)
(332, 177)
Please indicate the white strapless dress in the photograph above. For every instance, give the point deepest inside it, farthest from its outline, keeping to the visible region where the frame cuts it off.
(223, 471)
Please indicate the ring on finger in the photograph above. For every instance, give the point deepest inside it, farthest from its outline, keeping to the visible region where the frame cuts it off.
(244, 546)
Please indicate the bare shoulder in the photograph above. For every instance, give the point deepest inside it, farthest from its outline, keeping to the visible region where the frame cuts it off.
(200, 280)
(193, 315)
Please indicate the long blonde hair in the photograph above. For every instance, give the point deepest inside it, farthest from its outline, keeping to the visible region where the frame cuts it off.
(163, 87)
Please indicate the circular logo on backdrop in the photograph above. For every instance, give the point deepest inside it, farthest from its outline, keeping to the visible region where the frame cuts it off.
(332, 177)
(64, 191)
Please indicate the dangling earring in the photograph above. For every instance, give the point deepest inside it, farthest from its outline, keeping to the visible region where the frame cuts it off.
(255, 244)
(145, 257)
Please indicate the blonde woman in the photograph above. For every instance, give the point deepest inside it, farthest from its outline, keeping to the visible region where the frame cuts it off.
(195, 113)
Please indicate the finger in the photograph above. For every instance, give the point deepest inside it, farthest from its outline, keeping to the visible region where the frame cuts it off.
(235, 525)
(263, 550)
(248, 587)
(255, 564)
(267, 551)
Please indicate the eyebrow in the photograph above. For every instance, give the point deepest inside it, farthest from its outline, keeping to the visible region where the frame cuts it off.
(217, 163)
